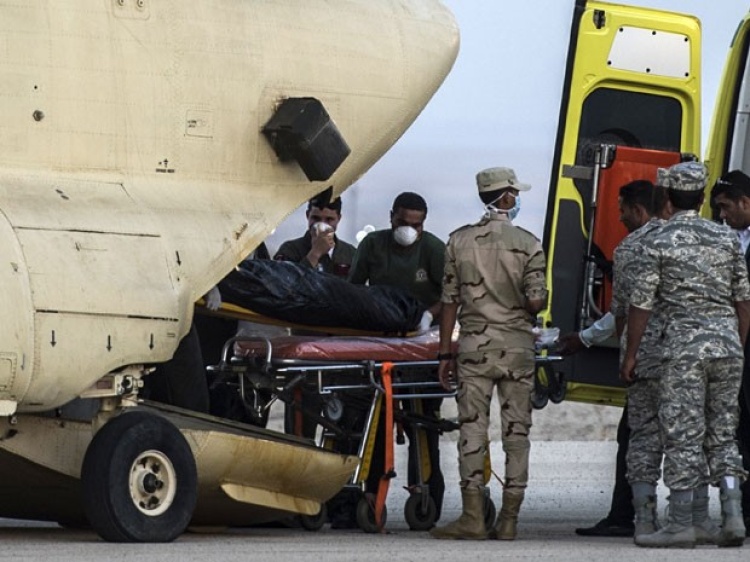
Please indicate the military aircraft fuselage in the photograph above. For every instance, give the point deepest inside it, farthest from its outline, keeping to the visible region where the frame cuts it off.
(133, 169)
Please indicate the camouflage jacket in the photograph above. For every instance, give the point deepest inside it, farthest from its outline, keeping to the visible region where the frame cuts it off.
(491, 268)
(694, 270)
(627, 268)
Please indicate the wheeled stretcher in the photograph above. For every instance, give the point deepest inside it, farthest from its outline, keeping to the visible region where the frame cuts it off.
(355, 381)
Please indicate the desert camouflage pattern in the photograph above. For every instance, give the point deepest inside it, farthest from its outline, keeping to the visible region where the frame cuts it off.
(694, 270)
(698, 447)
(627, 259)
(479, 373)
(644, 448)
(491, 268)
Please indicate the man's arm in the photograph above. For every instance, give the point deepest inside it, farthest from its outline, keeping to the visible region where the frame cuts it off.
(642, 300)
(743, 317)
(534, 282)
(447, 367)
(322, 242)
(637, 321)
(600, 331)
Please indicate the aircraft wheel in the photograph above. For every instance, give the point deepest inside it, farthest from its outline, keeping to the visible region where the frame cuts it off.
(490, 513)
(314, 522)
(420, 517)
(366, 516)
(139, 480)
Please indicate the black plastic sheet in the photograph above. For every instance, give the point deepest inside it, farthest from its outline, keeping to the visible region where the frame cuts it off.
(298, 294)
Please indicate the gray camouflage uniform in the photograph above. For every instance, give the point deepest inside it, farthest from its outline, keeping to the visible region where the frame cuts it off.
(694, 269)
(491, 268)
(644, 454)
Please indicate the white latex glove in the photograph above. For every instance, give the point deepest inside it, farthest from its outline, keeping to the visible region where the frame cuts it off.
(213, 299)
(425, 322)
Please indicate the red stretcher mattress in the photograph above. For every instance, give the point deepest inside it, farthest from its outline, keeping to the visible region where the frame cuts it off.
(345, 348)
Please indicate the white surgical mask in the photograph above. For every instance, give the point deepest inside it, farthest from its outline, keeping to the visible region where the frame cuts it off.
(320, 227)
(405, 235)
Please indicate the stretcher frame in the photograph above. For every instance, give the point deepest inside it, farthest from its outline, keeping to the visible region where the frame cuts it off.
(262, 379)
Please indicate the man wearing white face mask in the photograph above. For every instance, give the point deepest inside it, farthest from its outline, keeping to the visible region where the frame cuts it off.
(320, 248)
(404, 255)
(407, 256)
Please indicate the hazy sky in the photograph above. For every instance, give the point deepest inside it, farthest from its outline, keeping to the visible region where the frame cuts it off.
(499, 107)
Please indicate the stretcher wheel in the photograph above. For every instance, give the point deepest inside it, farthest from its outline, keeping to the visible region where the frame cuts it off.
(420, 516)
(314, 522)
(540, 394)
(366, 516)
(490, 512)
(539, 399)
(139, 480)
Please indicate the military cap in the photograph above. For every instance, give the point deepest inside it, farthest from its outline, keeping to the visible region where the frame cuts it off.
(493, 179)
(687, 176)
(662, 177)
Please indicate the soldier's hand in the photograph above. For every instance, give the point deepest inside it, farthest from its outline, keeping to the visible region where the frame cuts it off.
(322, 242)
(447, 374)
(627, 369)
(568, 344)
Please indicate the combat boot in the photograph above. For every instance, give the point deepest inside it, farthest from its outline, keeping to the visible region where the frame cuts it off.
(679, 531)
(507, 521)
(706, 531)
(732, 524)
(644, 505)
(470, 525)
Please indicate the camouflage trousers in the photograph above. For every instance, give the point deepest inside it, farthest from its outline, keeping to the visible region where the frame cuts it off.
(644, 448)
(512, 372)
(698, 414)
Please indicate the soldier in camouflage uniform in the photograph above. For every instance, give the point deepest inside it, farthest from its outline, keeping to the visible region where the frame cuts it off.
(494, 272)
(639, 200)
(694, 269)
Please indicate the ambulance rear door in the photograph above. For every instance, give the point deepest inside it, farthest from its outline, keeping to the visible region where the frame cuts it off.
(631, 103)
(729, 141)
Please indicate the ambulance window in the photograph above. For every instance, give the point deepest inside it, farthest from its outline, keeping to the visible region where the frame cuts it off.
(631, 118)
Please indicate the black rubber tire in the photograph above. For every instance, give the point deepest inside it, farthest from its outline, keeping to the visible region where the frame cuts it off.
(106, 479)
(490, 513)
(366, 516)
(315, 522)
(416, 516)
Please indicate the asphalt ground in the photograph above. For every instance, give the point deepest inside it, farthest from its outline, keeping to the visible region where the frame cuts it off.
(570, 487)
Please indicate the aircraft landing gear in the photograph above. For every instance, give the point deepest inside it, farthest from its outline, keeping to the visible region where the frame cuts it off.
(139, 480)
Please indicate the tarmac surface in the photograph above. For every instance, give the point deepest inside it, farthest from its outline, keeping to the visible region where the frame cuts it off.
(570, 487)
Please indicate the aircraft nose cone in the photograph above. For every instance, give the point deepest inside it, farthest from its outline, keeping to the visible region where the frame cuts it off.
(432, 42)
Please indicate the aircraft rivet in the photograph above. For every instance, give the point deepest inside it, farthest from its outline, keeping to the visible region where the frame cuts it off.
(120, 2)
(141, 3)
(38, 115)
